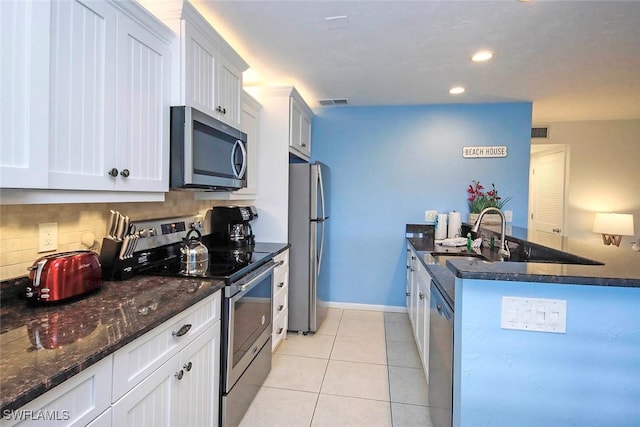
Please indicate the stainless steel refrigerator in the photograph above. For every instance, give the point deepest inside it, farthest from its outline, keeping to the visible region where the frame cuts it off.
(308, 228)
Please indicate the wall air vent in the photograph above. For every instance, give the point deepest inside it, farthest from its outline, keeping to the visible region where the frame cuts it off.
(540, 132)
(338, 101)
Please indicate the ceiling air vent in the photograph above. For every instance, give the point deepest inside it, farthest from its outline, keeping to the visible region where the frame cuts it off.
(338, 101)
(540, 132)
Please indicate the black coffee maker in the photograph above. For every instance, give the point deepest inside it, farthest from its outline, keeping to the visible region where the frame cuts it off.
(230, 225)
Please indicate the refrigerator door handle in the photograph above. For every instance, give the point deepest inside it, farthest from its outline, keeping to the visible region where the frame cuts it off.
(321, 251)
(321, 187)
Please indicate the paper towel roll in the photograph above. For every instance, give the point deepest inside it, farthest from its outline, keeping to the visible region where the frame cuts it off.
(441, 227)
(455, 223)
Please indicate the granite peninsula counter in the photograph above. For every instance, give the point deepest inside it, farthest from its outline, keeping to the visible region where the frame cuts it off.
(41, 347)
(621, 266)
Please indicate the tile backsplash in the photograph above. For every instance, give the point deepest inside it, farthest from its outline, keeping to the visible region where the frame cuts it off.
(77, 223)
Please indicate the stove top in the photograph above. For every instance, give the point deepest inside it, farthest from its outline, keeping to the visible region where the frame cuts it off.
(225, 263)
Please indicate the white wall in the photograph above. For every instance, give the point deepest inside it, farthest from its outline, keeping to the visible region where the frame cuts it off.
(604, 172)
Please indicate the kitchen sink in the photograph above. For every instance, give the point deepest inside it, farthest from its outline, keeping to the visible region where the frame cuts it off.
(442, 257)
(519, 253)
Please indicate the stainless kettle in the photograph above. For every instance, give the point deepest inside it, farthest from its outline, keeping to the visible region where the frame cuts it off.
(194, 259)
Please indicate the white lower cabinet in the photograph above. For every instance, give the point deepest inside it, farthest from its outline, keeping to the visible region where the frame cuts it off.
(75, 402)
(418, 297)
(181, 392)
(170, 376)
(280, 309)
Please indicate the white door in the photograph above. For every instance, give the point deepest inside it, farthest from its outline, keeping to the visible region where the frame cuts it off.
(548, 177)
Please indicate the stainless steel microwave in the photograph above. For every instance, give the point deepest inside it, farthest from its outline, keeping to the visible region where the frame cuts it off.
(206, 154)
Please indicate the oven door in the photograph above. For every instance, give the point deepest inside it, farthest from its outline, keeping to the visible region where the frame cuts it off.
(249, 323)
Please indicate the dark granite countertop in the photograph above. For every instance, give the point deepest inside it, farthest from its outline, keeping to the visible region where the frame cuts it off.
(621, 266)
(41, 347)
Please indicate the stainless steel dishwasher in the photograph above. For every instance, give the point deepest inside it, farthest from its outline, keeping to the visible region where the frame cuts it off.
(440, 358)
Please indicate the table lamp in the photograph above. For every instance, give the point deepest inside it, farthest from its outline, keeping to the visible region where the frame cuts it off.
(613, 226)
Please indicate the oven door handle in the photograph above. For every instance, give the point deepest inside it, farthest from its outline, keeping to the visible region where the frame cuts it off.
(246, 287)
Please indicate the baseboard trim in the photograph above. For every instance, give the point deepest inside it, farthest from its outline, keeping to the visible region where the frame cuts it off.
(369, 307)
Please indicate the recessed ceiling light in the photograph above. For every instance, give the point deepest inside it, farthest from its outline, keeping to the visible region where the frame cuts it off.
(482, 55)
(457, 90)
(337, 22)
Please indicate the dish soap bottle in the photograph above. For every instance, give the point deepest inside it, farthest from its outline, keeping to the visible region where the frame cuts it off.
(469, 242)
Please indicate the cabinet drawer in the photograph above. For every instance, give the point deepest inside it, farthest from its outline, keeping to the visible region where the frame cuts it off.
(280, 301)
(138, 359)
(280, 325)
(282, 256)
(280, 282)
(75, 402)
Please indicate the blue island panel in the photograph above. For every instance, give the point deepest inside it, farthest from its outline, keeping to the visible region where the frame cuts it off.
(588, 376)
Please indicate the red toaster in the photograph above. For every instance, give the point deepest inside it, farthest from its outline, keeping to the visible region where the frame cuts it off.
(64, 275)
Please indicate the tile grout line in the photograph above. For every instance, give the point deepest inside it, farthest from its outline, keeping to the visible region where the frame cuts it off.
(386, 348)
(326, 369)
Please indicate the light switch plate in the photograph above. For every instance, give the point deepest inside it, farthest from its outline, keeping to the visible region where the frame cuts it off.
(534, 314)
(508, 216)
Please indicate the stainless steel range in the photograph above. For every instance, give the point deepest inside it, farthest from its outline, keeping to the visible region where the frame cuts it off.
(163, 247)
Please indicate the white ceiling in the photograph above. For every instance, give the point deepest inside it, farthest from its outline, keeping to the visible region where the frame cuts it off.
(575, 60)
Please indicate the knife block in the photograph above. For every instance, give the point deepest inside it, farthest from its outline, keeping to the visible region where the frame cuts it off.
(114, 268)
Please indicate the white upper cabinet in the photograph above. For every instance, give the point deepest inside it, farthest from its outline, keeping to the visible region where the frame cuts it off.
(210, 70)
(88, 86)
(110, 88)
(300, 127)
(24, 91)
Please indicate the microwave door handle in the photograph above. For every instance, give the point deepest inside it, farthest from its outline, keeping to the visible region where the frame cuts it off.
(243, 169)
(237, 144)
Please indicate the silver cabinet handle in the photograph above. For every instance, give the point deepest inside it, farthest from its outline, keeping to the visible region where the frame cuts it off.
(281, 284)
(188, 366)
(182, 331)
(421, 295)
(408, 294)
(280, 331)
(280, 307)
(113, 172)
(179, 374)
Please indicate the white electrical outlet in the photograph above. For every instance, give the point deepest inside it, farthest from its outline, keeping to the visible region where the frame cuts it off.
(534, 314)
(508, 216)
(47, 237)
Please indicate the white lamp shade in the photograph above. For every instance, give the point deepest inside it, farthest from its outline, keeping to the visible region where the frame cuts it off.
(616, 224)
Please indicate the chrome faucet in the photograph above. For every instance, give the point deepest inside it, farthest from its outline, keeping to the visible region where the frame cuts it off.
(504, 248)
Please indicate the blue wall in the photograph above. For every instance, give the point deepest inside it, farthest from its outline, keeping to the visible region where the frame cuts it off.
(389, 164)
(588, 377)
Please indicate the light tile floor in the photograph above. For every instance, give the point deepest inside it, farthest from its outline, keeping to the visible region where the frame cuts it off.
(360, 369)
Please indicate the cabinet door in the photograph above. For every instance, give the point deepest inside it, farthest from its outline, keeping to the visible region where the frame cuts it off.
(200, 61)
(153, 402)
(424, 296)
(229, 85)
(24, 91)
(295, 121)
(75, 402)
(83, 90)
(142, 130)
(305, 134)
(198, 389)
